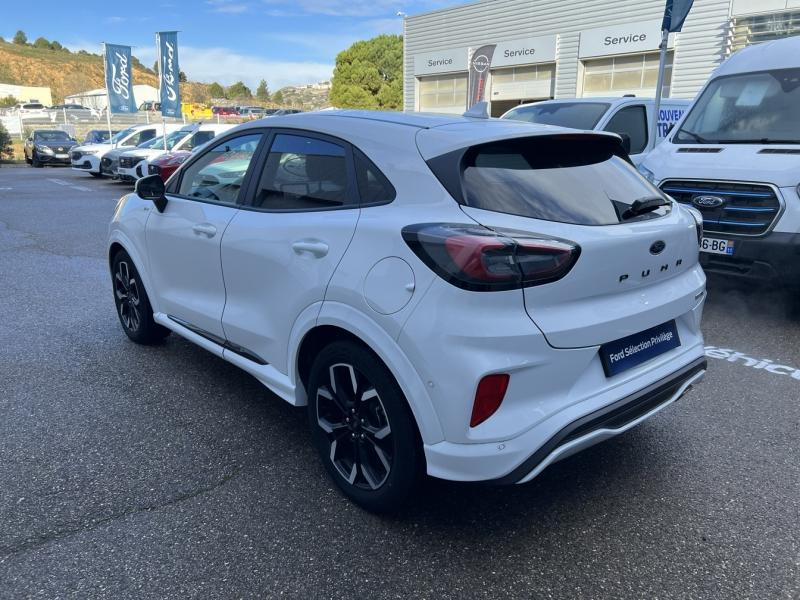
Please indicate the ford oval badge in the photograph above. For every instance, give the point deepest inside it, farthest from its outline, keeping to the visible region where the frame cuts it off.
(657, 247)
(708, 201)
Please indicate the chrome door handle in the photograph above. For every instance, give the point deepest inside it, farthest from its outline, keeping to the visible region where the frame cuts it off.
(205, 229)
(315, 247)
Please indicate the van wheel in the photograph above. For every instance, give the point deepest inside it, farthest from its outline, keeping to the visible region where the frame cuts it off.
(363, 428)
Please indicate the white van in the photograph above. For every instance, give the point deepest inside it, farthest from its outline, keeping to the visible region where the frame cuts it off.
(735, 157)
(628, 116)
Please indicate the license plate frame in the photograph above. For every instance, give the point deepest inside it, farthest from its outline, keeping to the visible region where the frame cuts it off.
(711, 245)
(633, 350)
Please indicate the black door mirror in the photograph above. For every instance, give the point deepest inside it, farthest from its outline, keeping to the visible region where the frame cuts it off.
(626, 142)
(152, 188)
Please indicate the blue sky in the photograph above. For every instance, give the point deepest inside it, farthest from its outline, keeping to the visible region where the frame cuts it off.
(221, 40)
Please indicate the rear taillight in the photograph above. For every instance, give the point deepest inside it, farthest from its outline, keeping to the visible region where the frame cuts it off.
(476, 258)
(488, 397)
(698, 221)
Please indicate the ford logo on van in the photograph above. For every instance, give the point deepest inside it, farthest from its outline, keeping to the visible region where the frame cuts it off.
(708, 201)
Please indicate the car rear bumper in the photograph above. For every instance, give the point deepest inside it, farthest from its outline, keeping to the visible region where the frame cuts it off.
(774, 258)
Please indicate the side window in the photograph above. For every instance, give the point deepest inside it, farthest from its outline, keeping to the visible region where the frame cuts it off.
(633, 121)
(218, 174)
(303, 173)
(373, 187)
(198, 139)
(141, 137)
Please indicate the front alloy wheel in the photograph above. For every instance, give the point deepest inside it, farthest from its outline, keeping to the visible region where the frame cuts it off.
(133, 306)
(363, 427)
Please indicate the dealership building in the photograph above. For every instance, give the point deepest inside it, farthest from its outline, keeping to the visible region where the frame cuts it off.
(564, 49)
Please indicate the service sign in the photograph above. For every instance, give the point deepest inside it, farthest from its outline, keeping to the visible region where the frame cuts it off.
(442, 61)
(621, 39)
(525, 52)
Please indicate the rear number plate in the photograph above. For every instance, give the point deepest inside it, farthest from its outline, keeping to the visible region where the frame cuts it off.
(628, 352)
(714, 246)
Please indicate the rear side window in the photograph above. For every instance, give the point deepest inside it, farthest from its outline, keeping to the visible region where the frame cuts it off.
(568, 179)
(140, 137)
(578, 115)
(373, 186)
(303, 173)
(632, 121)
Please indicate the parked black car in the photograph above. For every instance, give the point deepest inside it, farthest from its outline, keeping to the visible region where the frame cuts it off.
(48, 146)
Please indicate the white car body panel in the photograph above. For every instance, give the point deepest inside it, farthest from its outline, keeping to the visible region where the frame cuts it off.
(252, 286)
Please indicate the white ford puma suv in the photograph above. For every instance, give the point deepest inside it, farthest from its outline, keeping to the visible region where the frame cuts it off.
(470, 298)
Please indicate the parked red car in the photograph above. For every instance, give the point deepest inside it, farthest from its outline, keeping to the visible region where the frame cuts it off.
(166, 164)
(224, 111)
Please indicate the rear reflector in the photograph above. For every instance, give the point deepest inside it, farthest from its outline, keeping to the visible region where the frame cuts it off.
(488, 397)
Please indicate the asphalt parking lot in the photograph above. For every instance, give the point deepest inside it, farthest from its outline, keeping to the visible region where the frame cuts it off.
(165, 472)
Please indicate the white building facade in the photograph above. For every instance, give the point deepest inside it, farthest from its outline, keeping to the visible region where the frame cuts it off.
(560, 49)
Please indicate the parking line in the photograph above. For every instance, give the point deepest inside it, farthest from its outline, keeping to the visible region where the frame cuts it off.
(59, 181)
(80, 188)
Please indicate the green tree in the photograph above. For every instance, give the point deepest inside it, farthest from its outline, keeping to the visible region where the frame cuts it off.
(239, 90)
(6, 148)
(20, 38)
(215, 90)
(155, 67)
(277, 97)
(8, 101)
(42, 43)
(262, 91)
(54, 45)
(369, 74)
(182, 77)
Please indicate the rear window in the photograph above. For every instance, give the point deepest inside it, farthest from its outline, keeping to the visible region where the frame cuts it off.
(568, 179)
(577, 115)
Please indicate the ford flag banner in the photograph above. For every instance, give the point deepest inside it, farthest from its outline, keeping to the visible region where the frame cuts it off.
(675, 14)
(479, 73)
(119, 79)
(169, 73)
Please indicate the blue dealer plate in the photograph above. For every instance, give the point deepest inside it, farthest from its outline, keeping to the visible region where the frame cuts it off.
(628, 352)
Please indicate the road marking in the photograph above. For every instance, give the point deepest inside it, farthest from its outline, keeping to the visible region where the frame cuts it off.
(5, 189)
(742, 360)
(80, 188)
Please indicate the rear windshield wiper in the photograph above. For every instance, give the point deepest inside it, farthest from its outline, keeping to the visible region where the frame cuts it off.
(641, 206)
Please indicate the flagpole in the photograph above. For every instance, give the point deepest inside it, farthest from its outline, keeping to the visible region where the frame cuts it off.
(161, 83)
(108, 95)
(662, 60)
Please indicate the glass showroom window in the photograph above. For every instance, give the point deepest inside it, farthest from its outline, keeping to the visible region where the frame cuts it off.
(445, 93)
(763, 28)
(630, 74)
(523, 74)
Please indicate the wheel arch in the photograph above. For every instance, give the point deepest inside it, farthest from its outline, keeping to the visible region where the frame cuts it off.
(341, 322)
(119, 241)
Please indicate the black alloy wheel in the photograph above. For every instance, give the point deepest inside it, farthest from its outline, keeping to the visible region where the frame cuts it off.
(363, 428)
(133, 305)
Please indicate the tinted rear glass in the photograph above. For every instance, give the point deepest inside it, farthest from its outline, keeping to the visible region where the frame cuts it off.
(568, 179)
(578, 115)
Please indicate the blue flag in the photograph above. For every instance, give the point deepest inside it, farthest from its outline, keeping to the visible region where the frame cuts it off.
(119, 79)
(169, 73)
(675, 14)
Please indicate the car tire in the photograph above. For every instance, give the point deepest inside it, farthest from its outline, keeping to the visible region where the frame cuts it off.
(96, 175)
(28, 160)
(363, 427)
(133, 306)
(35, 162)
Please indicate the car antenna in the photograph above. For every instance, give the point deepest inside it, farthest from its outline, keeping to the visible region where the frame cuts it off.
(479, 110)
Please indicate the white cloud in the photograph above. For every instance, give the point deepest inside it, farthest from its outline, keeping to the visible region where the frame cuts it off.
(356, 8)
(228, 6)
(226, 67)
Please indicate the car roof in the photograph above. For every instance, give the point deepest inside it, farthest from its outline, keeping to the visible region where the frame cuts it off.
(777, 54)
(612, 100)
(435, 133)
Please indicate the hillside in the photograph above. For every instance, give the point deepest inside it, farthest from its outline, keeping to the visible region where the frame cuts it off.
(308, 97)
(70, 72)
